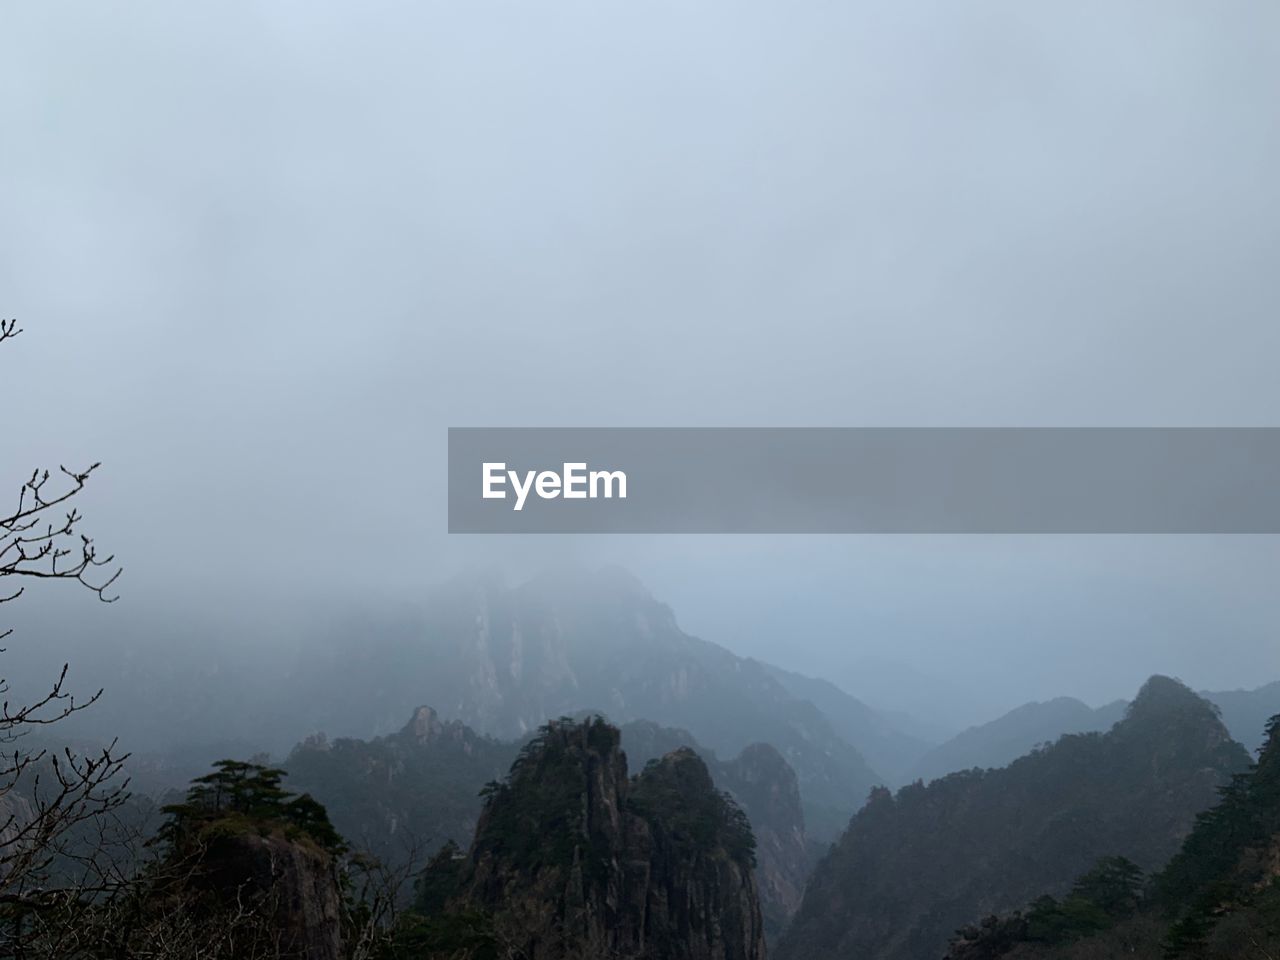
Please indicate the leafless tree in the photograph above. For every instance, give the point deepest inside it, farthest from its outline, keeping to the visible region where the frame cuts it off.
(158, 915)
(378, 892)
(56, 807)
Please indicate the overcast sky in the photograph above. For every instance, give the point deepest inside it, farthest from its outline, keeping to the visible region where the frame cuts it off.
(265, 253)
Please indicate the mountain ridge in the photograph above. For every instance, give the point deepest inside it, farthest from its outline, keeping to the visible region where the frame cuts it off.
(505, 659)
(1002, 740)
(915, 866)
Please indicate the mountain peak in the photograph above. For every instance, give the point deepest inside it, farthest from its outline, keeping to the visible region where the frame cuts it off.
(940, 855)
(424, 726)
(1162, 698)
(556, 851)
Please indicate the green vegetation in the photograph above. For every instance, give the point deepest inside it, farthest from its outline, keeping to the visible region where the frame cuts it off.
(573, 858)
(536, 818)
(1217, 899)
(1110, 891)
(402, 795)
(1229, 863)
(677, 797)
(238, 797)
(915, 867)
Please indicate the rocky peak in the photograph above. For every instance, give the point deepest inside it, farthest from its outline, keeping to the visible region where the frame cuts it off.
(424, 726)
(1166, 718)
(1162, 697)
(572, 857)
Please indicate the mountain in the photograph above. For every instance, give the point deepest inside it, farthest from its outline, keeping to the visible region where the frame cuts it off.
(1218, 899)
(879, 736)
(505, 660)
(404, 793)
(1246, 712)
(763, 784)
(242, 868)
(574, 858)
(1003, 740)
(995, 744)
(420, 787)
(913, 868)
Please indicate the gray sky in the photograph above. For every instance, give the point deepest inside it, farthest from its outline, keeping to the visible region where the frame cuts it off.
(266, 253)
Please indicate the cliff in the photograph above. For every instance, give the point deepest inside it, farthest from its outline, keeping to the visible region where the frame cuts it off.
(763, 784)
(291, 883)
(248, 870)
(574, 858)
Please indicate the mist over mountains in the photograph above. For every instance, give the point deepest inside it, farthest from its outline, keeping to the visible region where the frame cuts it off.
(504, 658)
(400, 726)
(260, 258)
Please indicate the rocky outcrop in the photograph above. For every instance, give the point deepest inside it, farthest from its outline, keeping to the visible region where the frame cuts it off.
(572, 857)
(290, 882)
(424, 782)
(248, 869)
(765, 786)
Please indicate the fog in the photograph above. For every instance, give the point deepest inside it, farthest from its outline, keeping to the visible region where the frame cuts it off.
(265, 254)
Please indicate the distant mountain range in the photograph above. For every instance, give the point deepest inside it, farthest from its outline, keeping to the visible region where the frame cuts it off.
(504, 660)
(1000, 742)
(1002, 813)
(1003, 740)
(913, 868)
(879, 737)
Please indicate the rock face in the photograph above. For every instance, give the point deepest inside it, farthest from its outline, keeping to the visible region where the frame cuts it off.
(913, 868)
(763, 784)
(572, 858)
(424, 783)
(249, 869)
(294, 882)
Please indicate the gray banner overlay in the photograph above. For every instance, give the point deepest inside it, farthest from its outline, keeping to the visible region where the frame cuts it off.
(889, 480)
